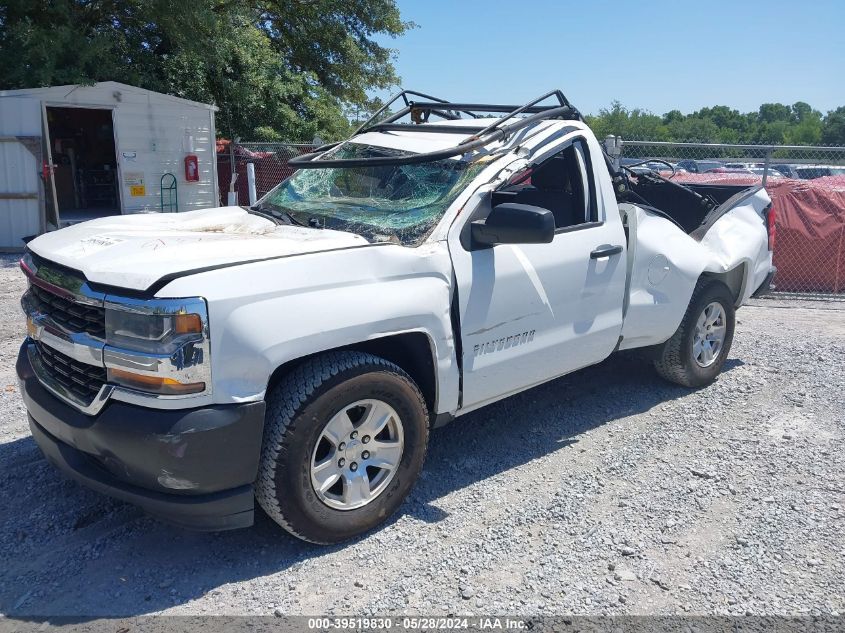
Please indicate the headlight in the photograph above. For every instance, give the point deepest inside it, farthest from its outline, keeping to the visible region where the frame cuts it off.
(154, 333)
(157, 346)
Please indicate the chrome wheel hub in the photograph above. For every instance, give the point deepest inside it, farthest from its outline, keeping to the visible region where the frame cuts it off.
(709, 337)
(357, 454)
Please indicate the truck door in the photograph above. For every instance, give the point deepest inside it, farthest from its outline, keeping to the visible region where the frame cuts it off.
(532, 312)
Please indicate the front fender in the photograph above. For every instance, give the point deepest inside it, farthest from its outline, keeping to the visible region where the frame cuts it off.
(265, 314)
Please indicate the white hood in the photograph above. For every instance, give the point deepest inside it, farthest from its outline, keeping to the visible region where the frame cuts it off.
(134, 251)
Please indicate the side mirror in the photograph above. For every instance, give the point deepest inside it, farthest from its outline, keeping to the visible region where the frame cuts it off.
(512, 223)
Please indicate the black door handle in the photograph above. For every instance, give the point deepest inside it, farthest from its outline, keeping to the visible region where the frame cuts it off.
(605, 251)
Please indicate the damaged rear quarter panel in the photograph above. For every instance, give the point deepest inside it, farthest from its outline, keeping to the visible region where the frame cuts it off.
(740, 238)
(666, 264)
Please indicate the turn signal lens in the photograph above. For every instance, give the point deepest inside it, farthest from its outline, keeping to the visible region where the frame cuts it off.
(187, 324)
(154, 384)
(31, 330)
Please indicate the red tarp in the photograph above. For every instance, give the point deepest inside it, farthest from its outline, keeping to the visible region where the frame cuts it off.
(810, 222)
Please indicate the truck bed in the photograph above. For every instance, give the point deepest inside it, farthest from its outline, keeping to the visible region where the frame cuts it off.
(683, 206)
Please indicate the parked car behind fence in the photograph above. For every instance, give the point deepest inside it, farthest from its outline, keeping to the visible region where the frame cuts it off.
(699, 166)
(811, 172)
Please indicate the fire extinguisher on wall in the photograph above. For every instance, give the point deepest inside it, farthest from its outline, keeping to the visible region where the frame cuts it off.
(47, 170)
(192, 169)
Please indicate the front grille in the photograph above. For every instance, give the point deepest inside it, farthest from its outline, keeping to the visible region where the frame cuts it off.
(76, 317)
(81, 379)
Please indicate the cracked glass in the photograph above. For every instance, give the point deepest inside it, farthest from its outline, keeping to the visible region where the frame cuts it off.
(400, 203)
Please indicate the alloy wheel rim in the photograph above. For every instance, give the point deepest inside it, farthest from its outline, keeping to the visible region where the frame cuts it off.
(357, 454)
(709, 337)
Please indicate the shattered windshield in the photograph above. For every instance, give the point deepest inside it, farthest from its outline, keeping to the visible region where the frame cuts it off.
(400, 203)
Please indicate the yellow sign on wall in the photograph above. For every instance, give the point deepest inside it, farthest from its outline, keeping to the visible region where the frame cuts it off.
(137, 190)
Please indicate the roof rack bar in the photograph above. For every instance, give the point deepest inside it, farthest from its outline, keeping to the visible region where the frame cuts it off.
(441, 113)
(434, 102)
(485, 137)
(439, 102)
(401, 95)
(401, 113)
(398, 115)
(494, 126)
(404, 96)
(481, 107)
(428, 127)
(393, 117)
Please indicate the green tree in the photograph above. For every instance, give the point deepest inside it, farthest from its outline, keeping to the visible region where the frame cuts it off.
(772, 123)
(833, 129)
(630, 124)
(288, 68)
(802, 111)
(807, 128)
(672, 117)
(694, 129)
(775, 113)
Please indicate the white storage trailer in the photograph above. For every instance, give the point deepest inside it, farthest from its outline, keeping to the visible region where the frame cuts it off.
(73, 153)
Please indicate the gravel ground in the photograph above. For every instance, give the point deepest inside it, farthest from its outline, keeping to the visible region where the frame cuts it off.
(605, 492)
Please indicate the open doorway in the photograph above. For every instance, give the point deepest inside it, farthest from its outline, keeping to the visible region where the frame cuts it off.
(85, 160)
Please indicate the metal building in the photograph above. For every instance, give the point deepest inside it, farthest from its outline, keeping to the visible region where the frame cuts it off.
(73, 153)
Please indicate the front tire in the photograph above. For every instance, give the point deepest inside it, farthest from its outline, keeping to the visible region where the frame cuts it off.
(345, 439)
(696, 353)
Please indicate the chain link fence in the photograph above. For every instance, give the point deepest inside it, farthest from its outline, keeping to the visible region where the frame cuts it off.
(807, 187)
(270, 165)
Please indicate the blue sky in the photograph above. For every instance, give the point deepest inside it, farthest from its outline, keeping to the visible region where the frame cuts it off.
(656, 55)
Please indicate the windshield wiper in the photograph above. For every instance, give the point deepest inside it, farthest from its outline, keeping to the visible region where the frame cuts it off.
(277, 214)
(262, 213)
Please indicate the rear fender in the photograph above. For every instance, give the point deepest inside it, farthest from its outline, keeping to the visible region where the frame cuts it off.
(739, 240)
(666, 264)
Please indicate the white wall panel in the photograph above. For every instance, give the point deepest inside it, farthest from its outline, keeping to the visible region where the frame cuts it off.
(19, 218)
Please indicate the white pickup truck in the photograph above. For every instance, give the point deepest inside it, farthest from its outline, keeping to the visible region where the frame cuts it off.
(298, 352)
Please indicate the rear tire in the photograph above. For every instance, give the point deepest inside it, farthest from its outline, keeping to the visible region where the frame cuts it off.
(328, 471)
(697, 351)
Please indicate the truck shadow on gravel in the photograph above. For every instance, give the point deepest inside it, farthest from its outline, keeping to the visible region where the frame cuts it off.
(67, 551)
